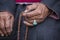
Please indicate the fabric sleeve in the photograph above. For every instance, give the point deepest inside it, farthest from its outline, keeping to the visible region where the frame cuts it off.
(7, 5)
(54, 5)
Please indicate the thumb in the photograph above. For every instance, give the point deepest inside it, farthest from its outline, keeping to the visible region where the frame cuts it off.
(31, 7)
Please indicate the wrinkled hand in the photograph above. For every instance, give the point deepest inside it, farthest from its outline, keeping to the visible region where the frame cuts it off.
(39, 13)
(6, 22)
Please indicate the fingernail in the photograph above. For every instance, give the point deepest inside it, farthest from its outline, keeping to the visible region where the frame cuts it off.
(2, 34)
(24, 14)
(26, 11)
(23, 21)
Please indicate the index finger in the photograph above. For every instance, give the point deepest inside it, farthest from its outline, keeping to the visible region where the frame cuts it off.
(31, 7)
(31, 14)
(9, 22)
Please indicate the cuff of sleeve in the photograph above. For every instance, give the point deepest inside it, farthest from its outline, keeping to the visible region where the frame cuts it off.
(54, 15)
(8, 5)
(54, 8)
(5, 8)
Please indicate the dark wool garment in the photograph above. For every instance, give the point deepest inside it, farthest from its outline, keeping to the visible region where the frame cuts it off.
(47, 30)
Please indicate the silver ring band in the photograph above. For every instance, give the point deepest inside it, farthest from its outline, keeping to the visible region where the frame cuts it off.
(34, 22)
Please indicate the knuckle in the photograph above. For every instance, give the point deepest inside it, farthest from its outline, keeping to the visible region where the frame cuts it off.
(42, 20)
(11, 16)
(9, 31)
(42, 17)
(7, 26)
(2, 27)
(31, 21)
(38, 21)
(4, 14)
(28, 7)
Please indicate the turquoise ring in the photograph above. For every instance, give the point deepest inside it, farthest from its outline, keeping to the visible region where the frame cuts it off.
(34, 22)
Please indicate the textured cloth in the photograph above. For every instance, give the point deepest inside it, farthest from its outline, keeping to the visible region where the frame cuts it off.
(47, 30)
(8, 5)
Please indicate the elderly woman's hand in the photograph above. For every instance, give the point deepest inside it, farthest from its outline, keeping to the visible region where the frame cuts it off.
(6, 22)
(37, 12)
